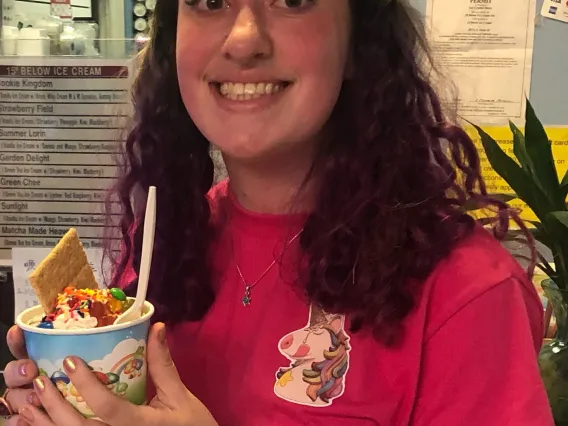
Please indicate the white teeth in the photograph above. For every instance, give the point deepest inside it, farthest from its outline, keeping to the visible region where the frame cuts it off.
(248, 91)
(238, 89)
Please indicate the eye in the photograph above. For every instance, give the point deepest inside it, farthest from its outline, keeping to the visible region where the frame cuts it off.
(207, 5)
(294, 4)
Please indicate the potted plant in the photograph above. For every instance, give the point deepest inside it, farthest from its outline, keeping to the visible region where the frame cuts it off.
(533, 177)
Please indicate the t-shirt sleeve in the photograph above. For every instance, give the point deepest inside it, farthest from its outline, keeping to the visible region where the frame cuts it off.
(479, 368)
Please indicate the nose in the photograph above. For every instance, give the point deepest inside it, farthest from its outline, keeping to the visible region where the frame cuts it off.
(248, 41)
(286, 342)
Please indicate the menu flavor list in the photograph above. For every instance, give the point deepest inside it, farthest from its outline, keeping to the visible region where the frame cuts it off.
(60, 122)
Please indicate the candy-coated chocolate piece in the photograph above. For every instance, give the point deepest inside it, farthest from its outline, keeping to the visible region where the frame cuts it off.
(60, 376)
(112, 378)
(101, 376)
(121, 387)
(46, 325)
(118, 294)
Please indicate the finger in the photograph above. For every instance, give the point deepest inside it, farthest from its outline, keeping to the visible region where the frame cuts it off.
(162, 369)
(16, 421)
(18, 398)
(20, 373)
(54, 404)
(106, 406)
(16, 342)
(34, 416)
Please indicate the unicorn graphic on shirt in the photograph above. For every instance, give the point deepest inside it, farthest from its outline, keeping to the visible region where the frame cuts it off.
(319, 360)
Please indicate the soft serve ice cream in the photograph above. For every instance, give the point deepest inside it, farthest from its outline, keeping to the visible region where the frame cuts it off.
(78, 309)
(68, 292)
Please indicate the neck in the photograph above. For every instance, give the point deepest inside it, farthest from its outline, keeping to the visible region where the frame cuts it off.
(272, 187)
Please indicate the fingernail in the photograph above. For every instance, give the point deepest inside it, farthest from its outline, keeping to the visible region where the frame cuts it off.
(162, 335)
(33, 399)
(27, 414)
(69, 365)
(39, 385)
(24, 370)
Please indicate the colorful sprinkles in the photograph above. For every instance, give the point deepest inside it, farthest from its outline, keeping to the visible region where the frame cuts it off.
(77, 304)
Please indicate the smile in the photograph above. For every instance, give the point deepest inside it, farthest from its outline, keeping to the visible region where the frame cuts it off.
(249, 91)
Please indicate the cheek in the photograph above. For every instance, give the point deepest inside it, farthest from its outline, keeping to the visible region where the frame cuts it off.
(319, 57)
(193, 53)
(317, 51)
(186, 67)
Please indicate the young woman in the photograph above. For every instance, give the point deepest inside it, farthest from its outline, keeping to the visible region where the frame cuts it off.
(334, 278)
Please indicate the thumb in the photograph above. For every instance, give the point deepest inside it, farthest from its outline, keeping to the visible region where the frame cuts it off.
(16, 342)
(162, 370)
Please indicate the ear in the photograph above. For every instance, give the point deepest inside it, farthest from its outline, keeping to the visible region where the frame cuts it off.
(336, 323)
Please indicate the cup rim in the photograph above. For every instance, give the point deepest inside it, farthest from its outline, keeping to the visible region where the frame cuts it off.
(83, 332)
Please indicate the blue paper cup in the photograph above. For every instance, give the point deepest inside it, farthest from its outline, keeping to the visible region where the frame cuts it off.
(115, 353)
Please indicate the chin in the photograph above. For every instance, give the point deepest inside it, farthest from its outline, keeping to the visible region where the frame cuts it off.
(246, 150)
(283, 143)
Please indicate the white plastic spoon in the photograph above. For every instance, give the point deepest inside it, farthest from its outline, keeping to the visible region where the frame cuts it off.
(135, 311)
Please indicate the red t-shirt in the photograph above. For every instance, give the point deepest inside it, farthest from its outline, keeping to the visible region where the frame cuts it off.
(468, 356)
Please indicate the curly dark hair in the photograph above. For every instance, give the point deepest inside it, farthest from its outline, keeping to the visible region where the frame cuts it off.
(393, 178)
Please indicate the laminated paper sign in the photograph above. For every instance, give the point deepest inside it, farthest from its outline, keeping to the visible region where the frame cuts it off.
(555, 9)
(485, 48)
(60, 125)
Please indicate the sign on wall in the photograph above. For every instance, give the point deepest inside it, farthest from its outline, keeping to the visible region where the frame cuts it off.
(62, 9)
(60, 124)
(555, 9)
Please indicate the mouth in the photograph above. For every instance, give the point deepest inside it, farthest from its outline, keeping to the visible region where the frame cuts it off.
(248, 91)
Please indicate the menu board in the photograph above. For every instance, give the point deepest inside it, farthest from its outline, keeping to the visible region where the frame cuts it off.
(60, 125)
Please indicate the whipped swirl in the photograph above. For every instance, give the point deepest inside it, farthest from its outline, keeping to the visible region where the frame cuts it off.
(71, 320)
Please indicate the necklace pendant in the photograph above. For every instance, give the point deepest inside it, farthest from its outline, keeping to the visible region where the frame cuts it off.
(247, 299)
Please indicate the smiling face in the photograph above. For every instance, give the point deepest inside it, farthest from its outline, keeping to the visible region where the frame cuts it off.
(261, 77)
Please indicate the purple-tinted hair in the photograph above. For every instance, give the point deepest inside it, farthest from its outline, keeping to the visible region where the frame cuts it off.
(393, 177)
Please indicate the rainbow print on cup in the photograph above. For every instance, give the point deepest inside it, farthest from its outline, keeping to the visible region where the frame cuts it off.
(115, 353)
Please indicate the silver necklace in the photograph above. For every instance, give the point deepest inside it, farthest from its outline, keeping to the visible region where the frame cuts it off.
(248, 287)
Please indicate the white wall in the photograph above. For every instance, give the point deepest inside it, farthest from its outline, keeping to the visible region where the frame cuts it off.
(81, 8)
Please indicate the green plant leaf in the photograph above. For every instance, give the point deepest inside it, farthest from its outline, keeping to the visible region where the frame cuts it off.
(565, 179)
(518, 179)
(539, 233)
(539, 149)
(564, 185)
(520, 149)
(505, 198)
(545, 266)
(556, 224)
(561, 217)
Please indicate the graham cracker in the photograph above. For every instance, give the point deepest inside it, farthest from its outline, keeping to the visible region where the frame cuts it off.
(65, 266)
